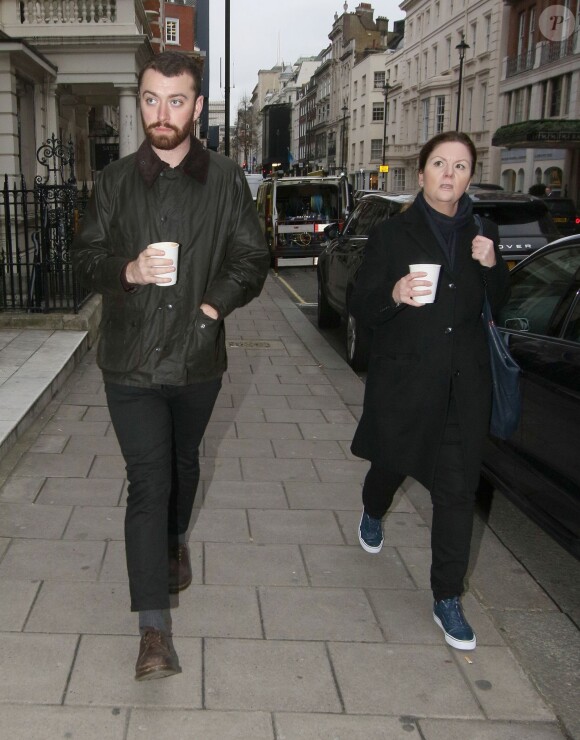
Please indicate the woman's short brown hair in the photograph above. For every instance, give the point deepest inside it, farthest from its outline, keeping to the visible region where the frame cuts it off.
(444, 138)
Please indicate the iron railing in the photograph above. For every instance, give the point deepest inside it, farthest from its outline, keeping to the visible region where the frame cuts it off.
(37, 227)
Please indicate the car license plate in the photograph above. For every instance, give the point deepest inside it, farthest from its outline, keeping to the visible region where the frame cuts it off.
(560, 219)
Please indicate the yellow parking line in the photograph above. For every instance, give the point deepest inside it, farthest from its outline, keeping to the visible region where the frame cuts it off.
(291, 290)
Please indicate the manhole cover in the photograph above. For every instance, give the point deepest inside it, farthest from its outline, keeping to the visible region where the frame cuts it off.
(254, 344)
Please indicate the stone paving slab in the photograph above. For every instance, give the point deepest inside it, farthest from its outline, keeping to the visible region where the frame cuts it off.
(47, 722)
(289, 630)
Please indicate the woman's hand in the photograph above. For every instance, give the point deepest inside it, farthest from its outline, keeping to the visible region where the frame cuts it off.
(482, 250)
(407, 287)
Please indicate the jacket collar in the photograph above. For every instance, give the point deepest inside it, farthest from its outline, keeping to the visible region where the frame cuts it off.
(195, 163)
(419, 230)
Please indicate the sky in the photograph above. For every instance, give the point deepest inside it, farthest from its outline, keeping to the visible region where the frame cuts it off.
(264, 33)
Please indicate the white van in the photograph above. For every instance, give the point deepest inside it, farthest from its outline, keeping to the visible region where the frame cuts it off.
(294, 211)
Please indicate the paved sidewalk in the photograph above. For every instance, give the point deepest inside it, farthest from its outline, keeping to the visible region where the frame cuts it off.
(290, 630)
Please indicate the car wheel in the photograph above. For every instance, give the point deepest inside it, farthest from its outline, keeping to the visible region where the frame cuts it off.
(357, 344)
(327, 316)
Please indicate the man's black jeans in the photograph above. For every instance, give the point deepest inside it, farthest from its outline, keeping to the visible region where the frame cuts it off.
(453, 506)
(159, 431)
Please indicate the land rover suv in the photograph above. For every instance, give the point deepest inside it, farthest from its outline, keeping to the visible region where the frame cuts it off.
(294, 211)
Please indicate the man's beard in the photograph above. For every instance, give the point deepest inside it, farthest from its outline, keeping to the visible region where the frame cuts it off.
(166, 140)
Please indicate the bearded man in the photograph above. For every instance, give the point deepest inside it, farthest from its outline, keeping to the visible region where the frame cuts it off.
(162, 345)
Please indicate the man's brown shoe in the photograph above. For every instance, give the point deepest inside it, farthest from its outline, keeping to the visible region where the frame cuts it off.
(157, 658)
(179, 569)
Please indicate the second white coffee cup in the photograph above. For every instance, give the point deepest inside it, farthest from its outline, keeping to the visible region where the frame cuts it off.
(432, 275)
(171, 250)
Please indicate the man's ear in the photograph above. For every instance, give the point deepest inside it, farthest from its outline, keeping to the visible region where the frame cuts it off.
(198, 107)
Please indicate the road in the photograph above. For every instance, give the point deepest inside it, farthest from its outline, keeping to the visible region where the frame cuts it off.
(546, 640)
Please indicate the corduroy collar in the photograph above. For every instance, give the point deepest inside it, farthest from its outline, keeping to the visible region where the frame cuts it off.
(195, 163)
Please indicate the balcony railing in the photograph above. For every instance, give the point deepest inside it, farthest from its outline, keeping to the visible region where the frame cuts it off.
(555, 50)
(520, 63)
(34, 12)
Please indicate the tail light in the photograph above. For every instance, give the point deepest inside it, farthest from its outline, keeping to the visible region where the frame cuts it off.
(577, 221)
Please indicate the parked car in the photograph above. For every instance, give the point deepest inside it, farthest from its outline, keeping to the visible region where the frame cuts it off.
(564, 213)
(523, 221)
(294, 211)
(539, 467)
(484, 186)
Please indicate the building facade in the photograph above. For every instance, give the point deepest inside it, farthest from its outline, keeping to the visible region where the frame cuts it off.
(539, 98)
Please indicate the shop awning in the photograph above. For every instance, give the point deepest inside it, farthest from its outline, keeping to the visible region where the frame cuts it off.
(549, 134)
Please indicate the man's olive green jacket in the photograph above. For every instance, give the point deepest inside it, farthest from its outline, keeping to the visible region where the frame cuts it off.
(154, 335)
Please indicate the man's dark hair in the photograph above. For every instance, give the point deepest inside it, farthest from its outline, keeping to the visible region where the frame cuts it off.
(444, 138)
(173, 64)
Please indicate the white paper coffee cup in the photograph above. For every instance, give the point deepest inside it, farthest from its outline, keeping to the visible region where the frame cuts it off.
(432, 275)
(171, 250)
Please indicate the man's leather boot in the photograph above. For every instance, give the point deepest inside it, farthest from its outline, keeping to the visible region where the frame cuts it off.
(179, 569)
(157, 658)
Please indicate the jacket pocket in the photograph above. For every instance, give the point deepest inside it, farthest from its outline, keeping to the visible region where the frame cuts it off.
(206, 344)
(119, 344)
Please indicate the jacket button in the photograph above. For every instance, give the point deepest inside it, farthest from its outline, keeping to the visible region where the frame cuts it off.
(448, 330)
(456, 374)
(452, 286)
(158, 349)
(163, 219)
(202, 326)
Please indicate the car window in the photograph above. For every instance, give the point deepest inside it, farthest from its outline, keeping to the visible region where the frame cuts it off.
(561, 207)
(364, 217)
(517, 219)
(542, 291)
(572, 329)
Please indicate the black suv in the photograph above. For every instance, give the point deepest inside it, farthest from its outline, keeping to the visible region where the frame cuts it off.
(524, 224)
(564, 213)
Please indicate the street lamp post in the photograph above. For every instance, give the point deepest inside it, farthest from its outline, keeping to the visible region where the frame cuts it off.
(461, 47)
(344, 112)
(386, 88)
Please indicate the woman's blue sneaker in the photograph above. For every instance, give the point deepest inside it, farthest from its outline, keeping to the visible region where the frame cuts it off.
(370, 533)
(448, 614)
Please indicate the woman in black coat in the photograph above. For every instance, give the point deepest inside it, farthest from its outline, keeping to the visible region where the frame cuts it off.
(428, 392)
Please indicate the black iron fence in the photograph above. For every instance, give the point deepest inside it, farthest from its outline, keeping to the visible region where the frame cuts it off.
(37, 228)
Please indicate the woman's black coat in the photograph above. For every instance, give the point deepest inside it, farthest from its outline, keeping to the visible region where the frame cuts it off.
(417, 354)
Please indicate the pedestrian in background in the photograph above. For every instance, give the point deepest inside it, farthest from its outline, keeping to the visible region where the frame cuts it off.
(162, 346)
(428, 392)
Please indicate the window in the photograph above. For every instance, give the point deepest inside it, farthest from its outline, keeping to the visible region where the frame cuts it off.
(353, 153)
(469, 107)
(567, 91)
(521, 30)
(354, 116)
(555, 97)
(483, 125)
(399, 179)
(424, 119)
(531, 29)
(362, 115)
(376, 149)
(435, 59)
(427, 19)
(363, 85)
(451, 8)
(473, 28)
(378, 111)
(436, 12)
(379, 80)
(171, 31)
(439, 114)
(362, 152)
(487, 21)
(519, 105)
(538, 291)
(425, 64)
(448, 42)
(355, 89)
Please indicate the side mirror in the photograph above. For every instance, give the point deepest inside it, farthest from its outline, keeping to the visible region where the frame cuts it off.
(517, 324)
(332, 231)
